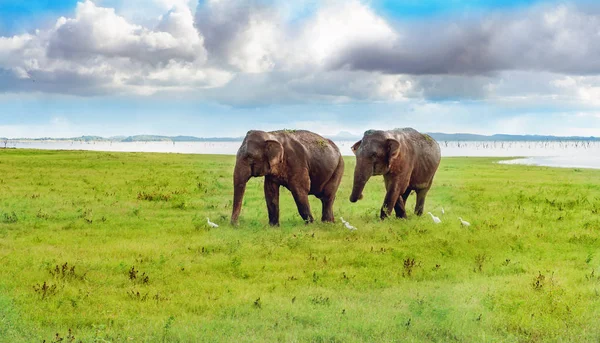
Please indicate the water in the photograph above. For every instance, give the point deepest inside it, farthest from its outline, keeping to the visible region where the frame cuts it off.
(559, 161)
(572, 154)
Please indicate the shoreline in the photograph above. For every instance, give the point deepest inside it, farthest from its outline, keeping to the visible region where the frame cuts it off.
(569, 156)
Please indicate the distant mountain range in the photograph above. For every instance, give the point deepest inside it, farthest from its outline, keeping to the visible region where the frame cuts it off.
(342, 136)
(503, 137)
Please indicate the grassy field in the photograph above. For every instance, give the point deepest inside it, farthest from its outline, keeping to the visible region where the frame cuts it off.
(115, 247)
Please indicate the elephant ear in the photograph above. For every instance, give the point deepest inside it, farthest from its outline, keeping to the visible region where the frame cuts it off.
(393, 149)
(274, 152)
(356, 146)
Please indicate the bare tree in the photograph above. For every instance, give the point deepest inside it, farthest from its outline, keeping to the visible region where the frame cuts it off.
(5, 143)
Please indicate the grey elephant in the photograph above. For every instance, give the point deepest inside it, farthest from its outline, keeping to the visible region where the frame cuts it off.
(408, 161)
(301, 161)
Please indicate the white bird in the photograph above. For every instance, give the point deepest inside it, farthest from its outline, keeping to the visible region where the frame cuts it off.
(443, 212)
(347, 225)
(435, 219)
(464, 223)
(211, 224)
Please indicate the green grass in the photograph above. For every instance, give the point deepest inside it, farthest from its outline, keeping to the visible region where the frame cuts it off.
(526, 270)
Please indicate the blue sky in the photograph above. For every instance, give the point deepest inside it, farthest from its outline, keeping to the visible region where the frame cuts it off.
(22, 16)
(428, 8)
(220, 68)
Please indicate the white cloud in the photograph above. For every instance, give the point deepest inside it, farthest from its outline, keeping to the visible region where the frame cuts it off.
(339, 26)
(248, 53)
(98, 52)
(100, 32)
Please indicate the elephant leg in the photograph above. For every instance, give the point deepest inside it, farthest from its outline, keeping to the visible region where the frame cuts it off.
(272, 199)
(391, 197)
(421, 195)
(406, 194)
(330, 191)
(327, 215)
(301, 199)
(401, 203)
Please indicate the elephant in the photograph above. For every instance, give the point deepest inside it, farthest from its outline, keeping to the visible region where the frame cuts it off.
(407, 160)
(301, 161)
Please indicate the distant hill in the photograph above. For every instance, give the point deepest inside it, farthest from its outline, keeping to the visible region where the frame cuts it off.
(150, 138)
(146, 138)
(342, 136)
(503, 137)
(89, 138)
(136, 138)
(470, 137)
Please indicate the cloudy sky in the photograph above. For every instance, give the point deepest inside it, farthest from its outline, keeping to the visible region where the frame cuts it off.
(221, 67)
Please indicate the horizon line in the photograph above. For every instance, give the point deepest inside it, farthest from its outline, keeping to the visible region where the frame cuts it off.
(340, 135)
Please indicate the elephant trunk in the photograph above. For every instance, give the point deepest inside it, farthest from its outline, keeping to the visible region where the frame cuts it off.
(241, 175)
(362, 174)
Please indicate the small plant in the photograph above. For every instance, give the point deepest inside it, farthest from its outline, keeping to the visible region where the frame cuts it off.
(153, 196)
(539, 281)
(65, 272)
(236, 262)
(45, 290)
(258, 303)
(136, 295)
(479, 261)
(41, 214)
(88, 216)
(319, 300)
(167, 327)
(70, 338)
(409, 264)
(592, 276)
(182, 205)
(346, 277)
(10, 218)
(158, 298)
(315, 277)
(136, 278)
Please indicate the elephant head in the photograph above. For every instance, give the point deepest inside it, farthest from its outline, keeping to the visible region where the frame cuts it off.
(375, 154)
(259, 155)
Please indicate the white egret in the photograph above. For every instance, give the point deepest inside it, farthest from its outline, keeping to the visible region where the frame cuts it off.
(211, 224)
(347, 225)
(435, 219)
(464, 223)
(443, 212)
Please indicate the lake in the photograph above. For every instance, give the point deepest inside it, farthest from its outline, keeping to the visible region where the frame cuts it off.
(571, 154)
